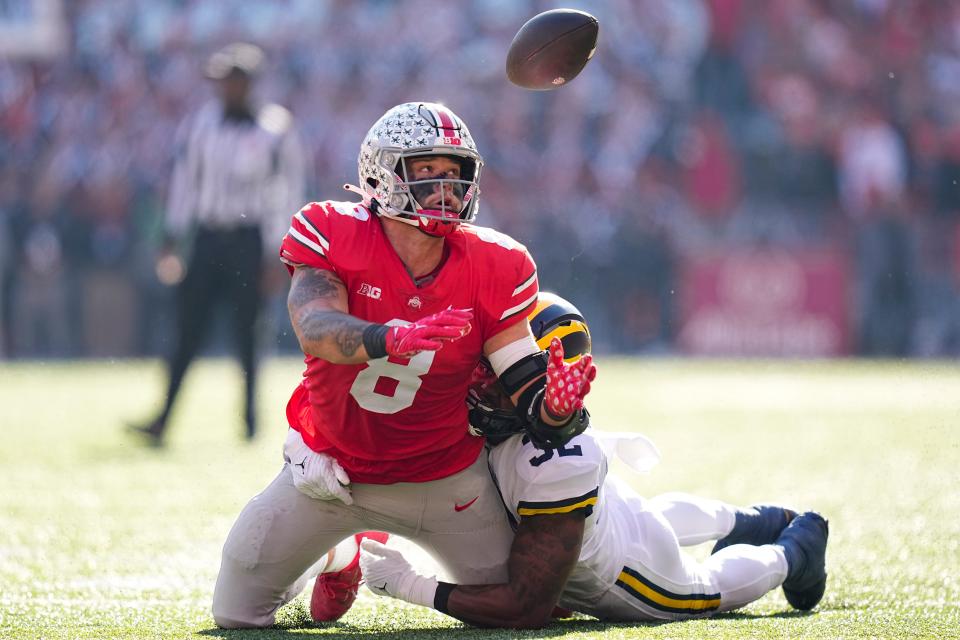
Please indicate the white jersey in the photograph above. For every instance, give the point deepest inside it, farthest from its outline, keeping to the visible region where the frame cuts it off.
(630, 565)
(533, 481)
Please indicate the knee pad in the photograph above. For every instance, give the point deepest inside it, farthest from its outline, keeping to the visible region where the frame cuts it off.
(246, 539)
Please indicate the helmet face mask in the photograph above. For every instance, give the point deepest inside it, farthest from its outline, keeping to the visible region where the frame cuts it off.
(486, 388)
(439, 198)
(491, 413)
(417, 130)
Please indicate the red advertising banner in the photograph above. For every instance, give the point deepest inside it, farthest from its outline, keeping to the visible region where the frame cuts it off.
(769, 302)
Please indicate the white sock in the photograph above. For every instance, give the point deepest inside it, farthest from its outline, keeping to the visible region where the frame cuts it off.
(315, 569)
(336, 559)
(694, 519)
(743, 573)
(341, 555)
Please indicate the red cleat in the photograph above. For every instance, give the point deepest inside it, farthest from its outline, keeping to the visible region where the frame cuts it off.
(334, 593)
(561, 612)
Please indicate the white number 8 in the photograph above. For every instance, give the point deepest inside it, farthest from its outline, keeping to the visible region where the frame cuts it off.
(408, 377)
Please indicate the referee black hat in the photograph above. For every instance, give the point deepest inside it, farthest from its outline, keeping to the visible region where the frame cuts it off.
(238, 57)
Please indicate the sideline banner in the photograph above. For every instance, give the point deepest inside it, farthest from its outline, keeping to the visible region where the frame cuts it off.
(765, 302)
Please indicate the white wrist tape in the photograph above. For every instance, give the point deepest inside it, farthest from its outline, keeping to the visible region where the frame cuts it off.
(502, 358)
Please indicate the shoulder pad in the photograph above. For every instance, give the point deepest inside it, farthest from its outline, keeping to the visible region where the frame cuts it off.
(492, 237)
(335, 208)
(582, 455)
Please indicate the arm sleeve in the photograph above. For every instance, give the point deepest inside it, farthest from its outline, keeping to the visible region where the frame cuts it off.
(184, 185)
(307, 241)
(511, 297)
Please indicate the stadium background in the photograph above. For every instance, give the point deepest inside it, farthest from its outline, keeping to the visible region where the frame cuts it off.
(736, 177)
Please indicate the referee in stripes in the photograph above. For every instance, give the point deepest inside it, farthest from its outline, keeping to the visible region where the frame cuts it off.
(239, 174)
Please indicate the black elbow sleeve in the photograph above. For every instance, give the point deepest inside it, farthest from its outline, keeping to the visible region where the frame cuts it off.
(543, 435)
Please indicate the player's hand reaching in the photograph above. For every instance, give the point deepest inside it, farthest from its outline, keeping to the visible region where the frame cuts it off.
(428, 334)
(567, 384)
(316, 475)
(387, 573)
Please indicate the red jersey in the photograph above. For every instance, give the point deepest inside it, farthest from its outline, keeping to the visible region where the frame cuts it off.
(402, 419)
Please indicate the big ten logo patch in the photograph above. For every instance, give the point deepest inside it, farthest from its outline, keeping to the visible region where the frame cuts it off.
(370, 291)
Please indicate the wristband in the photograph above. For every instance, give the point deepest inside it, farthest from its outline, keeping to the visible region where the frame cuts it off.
(440, 599)
(375, 340)
(547, 436)
(537, 402)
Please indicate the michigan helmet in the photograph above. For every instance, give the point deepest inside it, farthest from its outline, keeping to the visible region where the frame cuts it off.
(416, 129)
(556, 317)
(490, 411)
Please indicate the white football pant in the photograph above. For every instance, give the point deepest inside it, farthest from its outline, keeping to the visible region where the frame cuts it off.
(659, 581)
(274, 546)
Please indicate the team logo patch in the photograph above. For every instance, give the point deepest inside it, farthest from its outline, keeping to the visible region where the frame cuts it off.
(415, 302)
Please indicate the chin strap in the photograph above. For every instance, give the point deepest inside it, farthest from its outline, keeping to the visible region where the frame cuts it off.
(364, 196)
(437, 228)
(429, 226)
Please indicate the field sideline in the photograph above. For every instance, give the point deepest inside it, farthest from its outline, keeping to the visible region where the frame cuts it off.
(101, 538)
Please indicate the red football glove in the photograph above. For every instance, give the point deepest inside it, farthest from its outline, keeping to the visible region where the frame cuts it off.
(428, 334)
(567, 384)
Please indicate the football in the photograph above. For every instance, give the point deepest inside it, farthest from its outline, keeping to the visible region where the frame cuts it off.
(552, 48)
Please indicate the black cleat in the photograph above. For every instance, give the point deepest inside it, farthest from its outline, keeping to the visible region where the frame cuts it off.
(804, 543)
(251, 424)
(151, 434)
(760, 524)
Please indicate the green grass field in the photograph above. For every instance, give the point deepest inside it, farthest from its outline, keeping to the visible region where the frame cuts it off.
(100, 537)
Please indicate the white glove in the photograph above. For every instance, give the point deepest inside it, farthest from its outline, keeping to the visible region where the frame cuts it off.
(387, 573)
(315, 475)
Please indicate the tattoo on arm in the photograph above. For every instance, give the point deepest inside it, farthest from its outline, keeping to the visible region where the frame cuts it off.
(345, 331)
(544, 552)
(312, 284)
(323, 329)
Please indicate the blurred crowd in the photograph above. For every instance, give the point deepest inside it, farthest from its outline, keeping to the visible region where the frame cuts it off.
(699, 126)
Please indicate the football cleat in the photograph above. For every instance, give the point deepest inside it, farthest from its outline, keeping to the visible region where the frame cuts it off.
(804, 543)
(334, 593)
(150, 434)
(757, 525)
(559, 613)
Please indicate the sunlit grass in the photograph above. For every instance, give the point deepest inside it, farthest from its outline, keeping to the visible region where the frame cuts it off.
(100, 537)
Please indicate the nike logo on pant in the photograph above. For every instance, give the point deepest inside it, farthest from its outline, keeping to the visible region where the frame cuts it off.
(466, 505)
